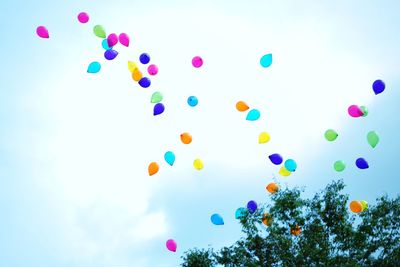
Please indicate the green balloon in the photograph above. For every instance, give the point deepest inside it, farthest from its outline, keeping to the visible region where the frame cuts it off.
(99, 31)
(331, 135)
(364, 205)
(156, 97)
(364, 110)
(339, 165)
(372, 138)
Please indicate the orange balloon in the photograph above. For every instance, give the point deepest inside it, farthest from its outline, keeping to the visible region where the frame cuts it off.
(267, 219)
(186, 138)
(241, 106)
(295, 230)
(153, 168)
(137, 75)
(356, 206)
(272, 188)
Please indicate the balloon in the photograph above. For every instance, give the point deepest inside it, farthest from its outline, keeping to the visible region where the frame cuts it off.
(104, 44)
(284, 172)
(241, 106)
(378, 86)
(156, 97)
(240, 213)
(144, 58)
(339, 165)
(153, 168)
(372, 138)
(152, 69)
(275, 159)
(124, 39)
(362, 164)
(272, 188)
(364, 110)
(198, 164)
(217, 219)
(112, 40)
(158, 109)
(110, 54)
(290, 165)
(253, 115)
(83, 17)
(137, 75)
(99, 31)
(356, 206)
(169, 157)
(267, 219)
(94, 67)
(186, 138)
(295, 230)
(171, 245)
(197, 62)
(192, 101)
(132, 66)
(42, 32)
(364, 205)
(266, 60)
(263, 138)
(144, 82)
(355, 111)
(252, 206)
(331, 135)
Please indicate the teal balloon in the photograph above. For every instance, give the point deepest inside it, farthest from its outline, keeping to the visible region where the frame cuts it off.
(104, 44)
(169, 157)
(217, 219)
(94, 67)
(240, 213)
(253, 115)
(290, 165)
(373, 139)
(266, 60)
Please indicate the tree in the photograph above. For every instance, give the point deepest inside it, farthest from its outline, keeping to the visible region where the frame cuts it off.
(320, 231)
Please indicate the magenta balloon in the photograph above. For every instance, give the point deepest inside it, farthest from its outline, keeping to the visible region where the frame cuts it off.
(124, 39)
(355, 111)
(171, 245)
(112, 40)
(42, 32)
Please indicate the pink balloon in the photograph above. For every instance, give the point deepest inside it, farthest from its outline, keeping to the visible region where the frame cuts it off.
(171, 245)
(197, 62)
(355, 111)
(83, 17)
(42, 32)
(112, 40)
(152, 69)
(124, 39)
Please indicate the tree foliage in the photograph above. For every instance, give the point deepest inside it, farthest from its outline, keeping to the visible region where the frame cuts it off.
(320, 231)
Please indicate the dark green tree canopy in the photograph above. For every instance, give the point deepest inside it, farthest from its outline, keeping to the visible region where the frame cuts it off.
(320, 231)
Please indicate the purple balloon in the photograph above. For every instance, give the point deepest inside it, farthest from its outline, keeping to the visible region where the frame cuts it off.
(378, 86)
(110, 54)
(158, 109)
(144, 82)
(276, 159)
(362, 164)
(252, 206)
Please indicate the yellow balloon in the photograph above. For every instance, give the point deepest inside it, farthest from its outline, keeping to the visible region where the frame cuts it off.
(284, 172)
(198, 164)
(263, 138)
(132, 66)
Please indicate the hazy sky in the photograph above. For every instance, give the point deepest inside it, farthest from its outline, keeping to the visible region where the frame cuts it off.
(74, 147)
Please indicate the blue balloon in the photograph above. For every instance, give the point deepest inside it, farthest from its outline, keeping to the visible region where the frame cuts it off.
(362, 164)
(110, 54)
(266, 60)
(378, 86)
(144, 82)
(158, 109)
(240, 213)
(275, 159)
(94, 67)
(290, 165)
(253, 115)
(252, 206)
(192, 101)
(144, 58)
(169, 157)
(217, 219)
(104, 44)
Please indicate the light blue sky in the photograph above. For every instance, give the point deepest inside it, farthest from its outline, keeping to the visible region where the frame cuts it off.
(74, 147)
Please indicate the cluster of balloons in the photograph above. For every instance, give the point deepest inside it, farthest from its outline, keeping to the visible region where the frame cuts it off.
(358, 206)
(252, 115)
